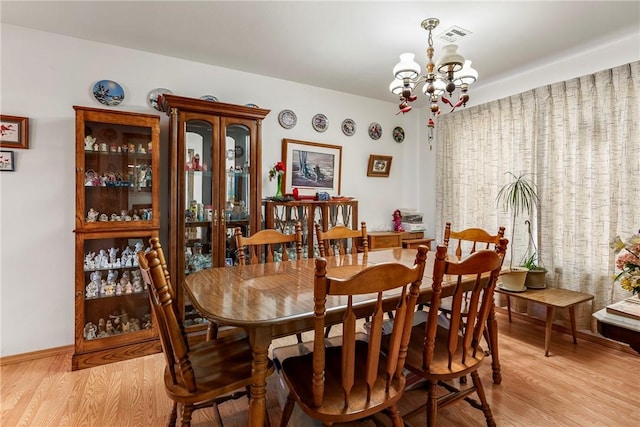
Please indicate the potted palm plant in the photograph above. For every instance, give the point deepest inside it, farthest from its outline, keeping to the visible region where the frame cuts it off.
(519, 196)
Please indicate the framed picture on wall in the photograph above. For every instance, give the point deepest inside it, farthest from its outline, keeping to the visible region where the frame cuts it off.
(311, 167)
(379, 165)
(6, 161)
(14, 132)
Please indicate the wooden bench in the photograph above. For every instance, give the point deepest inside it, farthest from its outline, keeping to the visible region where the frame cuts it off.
(551, 298)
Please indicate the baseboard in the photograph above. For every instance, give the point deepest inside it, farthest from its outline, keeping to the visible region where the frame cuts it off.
(24, 357)
(585, 335)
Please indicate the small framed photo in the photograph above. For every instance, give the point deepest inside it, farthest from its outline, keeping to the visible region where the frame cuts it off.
(379, 165)
(6, 161)
(14, 132)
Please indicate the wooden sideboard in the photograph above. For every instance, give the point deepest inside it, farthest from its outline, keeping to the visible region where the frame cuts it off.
(393, 239)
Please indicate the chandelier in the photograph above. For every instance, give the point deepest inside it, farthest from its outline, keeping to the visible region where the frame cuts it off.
(449, 73)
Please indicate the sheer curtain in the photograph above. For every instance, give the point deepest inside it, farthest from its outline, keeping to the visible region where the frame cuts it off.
(580, 140)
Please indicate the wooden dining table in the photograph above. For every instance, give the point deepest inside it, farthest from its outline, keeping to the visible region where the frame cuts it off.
(274, 300)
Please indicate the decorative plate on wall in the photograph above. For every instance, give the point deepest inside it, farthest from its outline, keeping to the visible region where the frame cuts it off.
(287, 119)
(209, 98)
(108, 92)
(154, 96)
(348, 127)
(398, 134)
(375, 131)
(320, 122)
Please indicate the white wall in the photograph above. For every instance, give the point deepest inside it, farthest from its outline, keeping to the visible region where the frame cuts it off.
(44, 75)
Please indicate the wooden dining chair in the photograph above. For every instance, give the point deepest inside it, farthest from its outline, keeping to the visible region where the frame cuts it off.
(268, 245)
(335, 240)
(353, 380)
(441, 354)
(262, 247)
(199, 376)
(470, 239)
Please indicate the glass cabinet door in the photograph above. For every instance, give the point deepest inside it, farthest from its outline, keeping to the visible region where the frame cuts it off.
(117, 170)
(238, 180)
(111, 297)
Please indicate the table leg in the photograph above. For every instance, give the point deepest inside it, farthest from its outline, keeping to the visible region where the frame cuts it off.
(260, 339)
(547, 330)
(508, 307)
(572, 316)
(492, 329)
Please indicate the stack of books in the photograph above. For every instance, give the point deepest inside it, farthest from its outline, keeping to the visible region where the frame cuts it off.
(412, 220)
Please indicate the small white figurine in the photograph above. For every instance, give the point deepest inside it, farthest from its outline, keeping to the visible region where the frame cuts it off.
(136, 281)
(104, 218)
(92, 215)
(89, 331)
(89, 263)
(91, 290)
(103, 147)
(112, 276)
(88, 142)
(112, 255)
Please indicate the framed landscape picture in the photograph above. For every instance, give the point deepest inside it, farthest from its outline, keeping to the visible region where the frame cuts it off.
(379, 165)
(14, 132)
(311, 167)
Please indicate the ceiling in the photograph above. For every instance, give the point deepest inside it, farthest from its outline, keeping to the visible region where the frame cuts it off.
(345, 46)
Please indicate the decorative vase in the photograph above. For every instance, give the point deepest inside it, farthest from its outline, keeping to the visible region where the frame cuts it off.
(279, 188)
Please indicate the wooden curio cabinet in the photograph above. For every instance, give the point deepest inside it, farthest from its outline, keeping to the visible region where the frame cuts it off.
(117, 207)
(215, 186)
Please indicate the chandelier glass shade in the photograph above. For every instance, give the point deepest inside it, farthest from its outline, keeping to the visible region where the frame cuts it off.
(450, 72)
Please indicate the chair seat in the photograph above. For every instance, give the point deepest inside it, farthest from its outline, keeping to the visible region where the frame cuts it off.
(214, 375)
(298, 371)
(440, 363)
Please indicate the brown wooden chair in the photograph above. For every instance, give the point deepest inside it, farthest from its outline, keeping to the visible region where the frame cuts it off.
(471, 239)
(335, 241)
(263, 245)
(199, 376)
(441, 354)
(352, 381)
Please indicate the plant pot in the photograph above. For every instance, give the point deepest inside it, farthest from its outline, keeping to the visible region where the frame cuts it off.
(513, 279)
(536, 279)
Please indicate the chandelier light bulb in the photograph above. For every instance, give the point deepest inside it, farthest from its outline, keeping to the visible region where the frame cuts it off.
(467, 75)
(450, 60)
(407, 67)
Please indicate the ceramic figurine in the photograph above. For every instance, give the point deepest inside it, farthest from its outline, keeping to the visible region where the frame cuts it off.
(136, 281)
(118, 288)
(112, 255)
(112, 276)
(102, 332)
(89, 331)
(104, 218)
(103, 147)
(89, 263)
(92, 215)
(89, 142)
(91, 290)
(109, 329)
(397, 220)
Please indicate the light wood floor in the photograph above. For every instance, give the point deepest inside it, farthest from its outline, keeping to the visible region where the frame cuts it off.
(579, 385)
